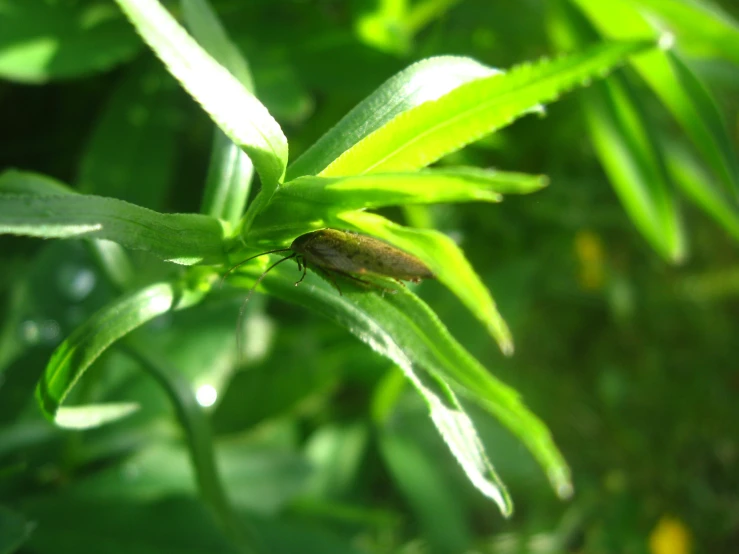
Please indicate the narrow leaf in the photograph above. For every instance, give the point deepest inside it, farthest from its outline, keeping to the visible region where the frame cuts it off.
(422, 187)
(627, 148)
(180, 238)
(425, 133)
(402, 328)
(230, 173)
(421, 82)
(77, 353)
(699, 187)
(233, 108)
(296, 206)
(634, 165)
(702, 28)
(674, 83)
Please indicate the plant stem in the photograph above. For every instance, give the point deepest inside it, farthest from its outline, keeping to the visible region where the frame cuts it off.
(199, 440)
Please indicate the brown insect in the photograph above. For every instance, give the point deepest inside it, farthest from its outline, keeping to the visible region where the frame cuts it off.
(348, 254)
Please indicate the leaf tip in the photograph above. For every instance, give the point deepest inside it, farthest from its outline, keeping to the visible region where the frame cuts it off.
(559, 477)
(666, 41)
(506, 345)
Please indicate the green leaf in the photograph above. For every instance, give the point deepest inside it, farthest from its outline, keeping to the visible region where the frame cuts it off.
(634, 165)
(77, 353)
(231, 106)
(402, 328)
(422, 82)
(206, 28)
(429, 494)
(698, 186)
(180, 238)
(131, 155)
(42, 41)
(446, 261)
(307, 203)
(627, 148)
(231, 171)
(702, 28)
(427, 132)
(697, 111)
(396, 189)
(674, 83)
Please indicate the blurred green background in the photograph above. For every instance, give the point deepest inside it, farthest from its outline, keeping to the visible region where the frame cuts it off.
(633, 363)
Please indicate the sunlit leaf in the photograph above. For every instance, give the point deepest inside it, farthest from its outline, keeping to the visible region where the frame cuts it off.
(229, 176)
(423, 134)
(423, 81)
(234, 109)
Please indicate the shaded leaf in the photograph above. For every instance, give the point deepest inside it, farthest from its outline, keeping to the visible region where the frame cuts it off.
(402, 328)
(674, 83)
(180, 238)
(41, 40)
(78, 351)
(131, 155)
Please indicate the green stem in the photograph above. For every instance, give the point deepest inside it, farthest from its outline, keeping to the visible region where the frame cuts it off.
(196, 426)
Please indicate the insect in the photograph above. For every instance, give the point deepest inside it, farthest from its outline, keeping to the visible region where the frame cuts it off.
(340, 252)
(348, 254)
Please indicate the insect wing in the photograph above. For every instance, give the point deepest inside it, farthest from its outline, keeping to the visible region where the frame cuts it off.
(330, 252)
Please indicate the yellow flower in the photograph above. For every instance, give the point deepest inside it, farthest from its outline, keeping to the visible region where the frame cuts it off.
(670, 536)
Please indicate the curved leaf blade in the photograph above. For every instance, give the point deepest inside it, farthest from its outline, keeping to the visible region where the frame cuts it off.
(425, 133)
(402, 328)
(634, 165)
(76, 354)
(421, 82)
(233, 108)
(180, 238)
(230, 172)
(627, 149)
(700, 189)
(674, 83)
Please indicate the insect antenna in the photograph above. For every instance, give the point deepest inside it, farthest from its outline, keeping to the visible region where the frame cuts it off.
(242, 262)
(239, 321)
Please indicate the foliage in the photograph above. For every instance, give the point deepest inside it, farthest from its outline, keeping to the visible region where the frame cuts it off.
(303, 439)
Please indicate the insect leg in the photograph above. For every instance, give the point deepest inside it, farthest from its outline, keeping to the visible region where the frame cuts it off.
(301, 265)
(330, 278)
